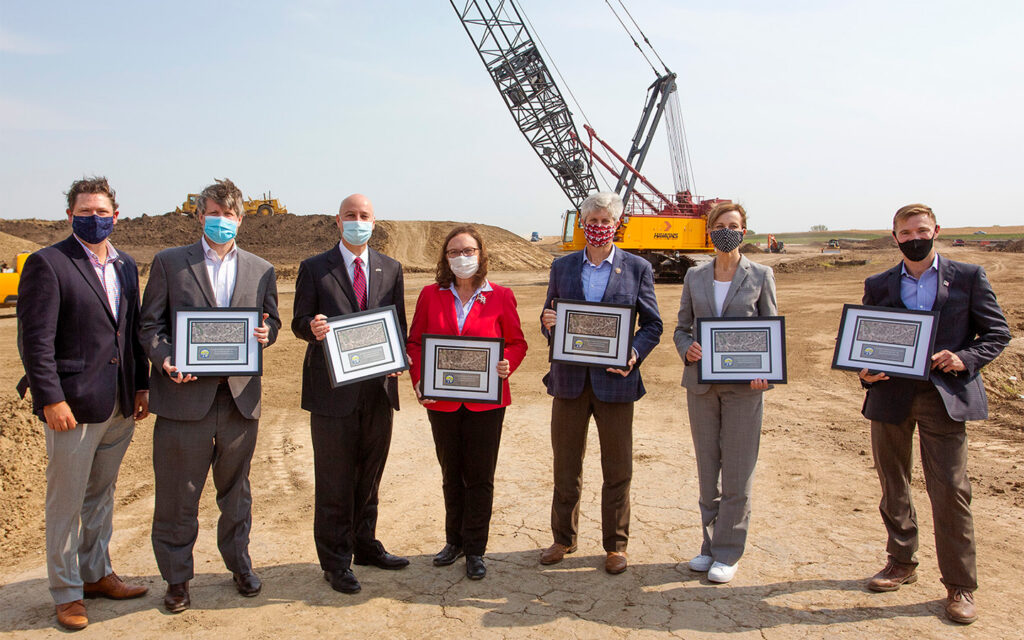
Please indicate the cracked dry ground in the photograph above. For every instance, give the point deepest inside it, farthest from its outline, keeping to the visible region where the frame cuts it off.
(816, 534)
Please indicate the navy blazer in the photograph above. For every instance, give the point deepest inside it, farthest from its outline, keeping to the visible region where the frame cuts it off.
(72, 346)
(324, 286)
(632, 283)
(971, 325)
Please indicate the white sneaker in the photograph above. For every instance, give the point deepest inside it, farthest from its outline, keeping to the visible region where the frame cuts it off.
(722, 572)
(701, 563)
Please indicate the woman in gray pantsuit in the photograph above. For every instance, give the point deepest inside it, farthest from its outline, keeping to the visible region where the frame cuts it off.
(725, 419)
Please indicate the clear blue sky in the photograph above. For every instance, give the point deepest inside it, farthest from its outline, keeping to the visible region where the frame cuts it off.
(808, 112)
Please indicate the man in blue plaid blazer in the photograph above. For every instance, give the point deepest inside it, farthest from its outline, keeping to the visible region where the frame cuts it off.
(599, 273)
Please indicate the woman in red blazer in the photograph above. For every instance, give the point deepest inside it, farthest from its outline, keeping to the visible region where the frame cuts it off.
(466, 435)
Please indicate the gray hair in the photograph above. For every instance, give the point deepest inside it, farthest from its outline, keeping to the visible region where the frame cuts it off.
(602, 201)
(223, 192)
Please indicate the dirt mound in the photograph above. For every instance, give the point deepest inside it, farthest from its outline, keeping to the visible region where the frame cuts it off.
(286, 240)
(22, 473)
(11, 246)
(747, 247)
(885, 242)
(1012, 246)
(817, 263)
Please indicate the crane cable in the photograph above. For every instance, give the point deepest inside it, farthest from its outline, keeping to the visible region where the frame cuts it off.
(642, 34)
(635, 43)
(518, 7)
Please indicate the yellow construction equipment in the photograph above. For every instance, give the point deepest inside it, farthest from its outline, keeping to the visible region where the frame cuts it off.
(263, 206)
(9, 280)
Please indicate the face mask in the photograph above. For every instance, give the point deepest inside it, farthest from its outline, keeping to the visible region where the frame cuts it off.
(725, 240)
(464, 266)
(92, 229)
(220, 230)
(598, 235)
(917, 249)
(357, 232)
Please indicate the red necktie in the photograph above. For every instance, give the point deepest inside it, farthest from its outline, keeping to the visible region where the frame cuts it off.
(359, 283)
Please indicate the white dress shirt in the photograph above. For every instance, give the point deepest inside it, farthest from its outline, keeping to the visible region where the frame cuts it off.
(222, 272)
(350, 260)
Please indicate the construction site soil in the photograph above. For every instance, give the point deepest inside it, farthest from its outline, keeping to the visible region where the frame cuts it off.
(815, 534)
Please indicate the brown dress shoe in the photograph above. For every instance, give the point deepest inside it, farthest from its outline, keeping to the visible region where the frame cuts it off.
(113, 587)
(555, 553)
(960, 605)
(615, 563)
(176, 599)
(893, 576)
(71, 615)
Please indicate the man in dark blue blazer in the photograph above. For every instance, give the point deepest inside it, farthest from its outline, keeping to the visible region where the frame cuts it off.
(78, 321)
(599, 273)
(971, 332)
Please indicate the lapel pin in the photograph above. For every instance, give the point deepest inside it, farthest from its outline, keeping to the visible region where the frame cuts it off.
(377, 270)
(945, 283)
(618, 269)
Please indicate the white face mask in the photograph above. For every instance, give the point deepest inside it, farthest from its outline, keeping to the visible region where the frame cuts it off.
(464, 266)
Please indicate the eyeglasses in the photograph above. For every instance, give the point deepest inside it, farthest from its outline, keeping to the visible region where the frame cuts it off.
(465, 253)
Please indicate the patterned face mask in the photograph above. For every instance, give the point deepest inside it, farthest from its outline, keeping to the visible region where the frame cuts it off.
(725, 240)
(598, 235)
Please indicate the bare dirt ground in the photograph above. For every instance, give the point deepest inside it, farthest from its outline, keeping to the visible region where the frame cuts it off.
(815, 535)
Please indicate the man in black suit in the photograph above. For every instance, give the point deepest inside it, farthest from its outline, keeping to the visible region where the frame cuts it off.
(971, 333)
(351, 425)
(78, 322)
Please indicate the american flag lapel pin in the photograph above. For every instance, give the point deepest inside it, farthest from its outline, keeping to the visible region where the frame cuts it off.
(945, 283)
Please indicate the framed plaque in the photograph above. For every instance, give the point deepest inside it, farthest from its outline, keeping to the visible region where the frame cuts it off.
(741, 349)
(461, 368)
(217, 341)
(592, 333)
(366, 344)
(897, 342)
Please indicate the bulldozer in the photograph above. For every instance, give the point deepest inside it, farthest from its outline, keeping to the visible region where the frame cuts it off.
(263, 206)
(9, 278)
(832, 247)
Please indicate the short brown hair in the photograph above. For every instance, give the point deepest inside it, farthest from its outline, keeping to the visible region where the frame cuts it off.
(223, 192)
(444, 275)
(911, 210)
(726, 207)
(96, 184)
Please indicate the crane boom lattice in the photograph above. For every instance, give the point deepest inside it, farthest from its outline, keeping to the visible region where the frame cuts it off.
(528, 89)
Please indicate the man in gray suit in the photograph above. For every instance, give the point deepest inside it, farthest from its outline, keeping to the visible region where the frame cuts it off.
(208, 419)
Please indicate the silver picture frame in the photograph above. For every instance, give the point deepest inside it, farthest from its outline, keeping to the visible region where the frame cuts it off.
(217, 341)
(592, 333)
(897, 342)
(365, 344)
(738, 350)
(461, 368)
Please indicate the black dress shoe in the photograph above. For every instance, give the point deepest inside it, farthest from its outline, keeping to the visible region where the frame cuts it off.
(248, 584)
(176, 599)
(475, 569)
(382, 560)
(448, 555)
(343, 581)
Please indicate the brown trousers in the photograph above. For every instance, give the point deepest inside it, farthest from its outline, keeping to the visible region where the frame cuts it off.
(944, 459)
(570, 419)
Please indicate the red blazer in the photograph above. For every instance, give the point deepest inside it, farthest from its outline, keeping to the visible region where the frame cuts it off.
(493, 315)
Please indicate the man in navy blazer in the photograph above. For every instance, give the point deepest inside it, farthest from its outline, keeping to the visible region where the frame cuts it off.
(971, 332)
(599, 273)
(78, 327)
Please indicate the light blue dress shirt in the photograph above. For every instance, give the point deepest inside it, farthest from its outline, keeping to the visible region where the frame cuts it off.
(595, 277)
(919, 293)
(462, 310)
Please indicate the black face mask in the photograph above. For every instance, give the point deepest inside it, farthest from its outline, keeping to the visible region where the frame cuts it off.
(917, 249)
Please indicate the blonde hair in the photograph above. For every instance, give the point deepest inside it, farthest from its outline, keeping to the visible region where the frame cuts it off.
(911, 210)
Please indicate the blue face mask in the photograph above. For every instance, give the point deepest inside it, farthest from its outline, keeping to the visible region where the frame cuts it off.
(357, 232)
(92, 229)
(220, 230)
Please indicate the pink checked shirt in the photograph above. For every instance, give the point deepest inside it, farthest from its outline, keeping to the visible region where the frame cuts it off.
(107, 274)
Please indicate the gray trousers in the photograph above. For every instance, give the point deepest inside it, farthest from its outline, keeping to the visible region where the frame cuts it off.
(80, 478)
(725, 424)
(183, 452)
(944, 460)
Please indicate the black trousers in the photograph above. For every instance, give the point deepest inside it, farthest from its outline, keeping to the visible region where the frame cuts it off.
(348, 458)
(466, 443)
(183, 452)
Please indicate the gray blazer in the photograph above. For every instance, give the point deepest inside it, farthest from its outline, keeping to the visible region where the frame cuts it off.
(178, 279)
(751, 294)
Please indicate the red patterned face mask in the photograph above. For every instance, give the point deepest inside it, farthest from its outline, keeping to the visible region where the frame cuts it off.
(598, 235)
